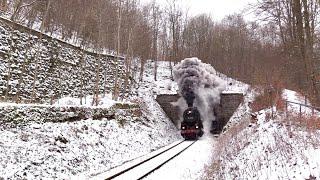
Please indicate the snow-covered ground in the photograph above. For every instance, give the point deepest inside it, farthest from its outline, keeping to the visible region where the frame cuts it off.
(266, 148)
(88, 147)
(296, 103)
(164, 83)
(103, 101)
(65, 150)
(247, 149)
(190, 164)
(83, 148)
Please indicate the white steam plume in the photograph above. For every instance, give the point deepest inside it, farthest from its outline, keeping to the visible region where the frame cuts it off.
(193, 75)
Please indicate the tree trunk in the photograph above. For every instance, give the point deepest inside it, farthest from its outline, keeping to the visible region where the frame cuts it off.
(171, 69)
(105, 83)
(16, 10)
(128, 62)
(310, 53)
(142, 62)
(116, 86)
(301, 40)
(45, 17)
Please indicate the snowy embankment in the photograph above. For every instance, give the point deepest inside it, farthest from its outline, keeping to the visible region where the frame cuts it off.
(84, 146)
(192, 163)
(284, 147)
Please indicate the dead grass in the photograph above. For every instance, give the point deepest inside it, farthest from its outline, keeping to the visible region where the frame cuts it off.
(280, 103)
(262, 101)
(285, 151)
(308, 122)
(270, 95)
(232, 136)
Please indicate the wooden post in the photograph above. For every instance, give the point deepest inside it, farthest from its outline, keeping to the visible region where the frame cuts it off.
(286, 108)
(300, 110)
(305, 100)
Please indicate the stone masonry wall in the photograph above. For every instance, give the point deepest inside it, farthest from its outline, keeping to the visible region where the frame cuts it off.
(171, 111)
(31, 60)
(228, 105)
(19, 115)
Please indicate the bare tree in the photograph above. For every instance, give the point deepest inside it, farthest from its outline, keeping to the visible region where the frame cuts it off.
(116, 85)
(155, 14)
(19, 6)
(45, 20)
(128, 61)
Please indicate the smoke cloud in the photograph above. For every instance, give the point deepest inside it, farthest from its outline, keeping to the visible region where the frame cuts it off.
(200, 81)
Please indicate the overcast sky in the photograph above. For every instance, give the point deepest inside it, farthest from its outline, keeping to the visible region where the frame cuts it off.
(218, 9)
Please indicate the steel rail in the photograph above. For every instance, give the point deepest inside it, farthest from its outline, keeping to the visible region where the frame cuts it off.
(154, 169)
(144, 161)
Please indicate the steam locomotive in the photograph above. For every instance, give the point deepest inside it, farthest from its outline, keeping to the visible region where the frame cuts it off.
(191, 126)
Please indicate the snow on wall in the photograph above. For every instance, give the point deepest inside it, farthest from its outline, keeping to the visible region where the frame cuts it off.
(45, 149)
(22, 114)
(47, 144)
(54, 68)
(80, 149)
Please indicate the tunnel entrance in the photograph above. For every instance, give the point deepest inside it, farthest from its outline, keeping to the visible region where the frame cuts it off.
(229, 103)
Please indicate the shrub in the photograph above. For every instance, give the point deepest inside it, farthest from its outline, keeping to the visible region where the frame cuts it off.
(270, 95)
(310, 122)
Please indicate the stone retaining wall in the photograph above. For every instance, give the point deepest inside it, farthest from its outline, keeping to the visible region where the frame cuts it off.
(13, 115)
(34, 66)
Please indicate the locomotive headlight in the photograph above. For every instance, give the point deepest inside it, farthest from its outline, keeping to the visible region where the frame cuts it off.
(197, 127)
(183, 127)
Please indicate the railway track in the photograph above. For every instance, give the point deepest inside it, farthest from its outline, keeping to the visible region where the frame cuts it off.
(142, 167)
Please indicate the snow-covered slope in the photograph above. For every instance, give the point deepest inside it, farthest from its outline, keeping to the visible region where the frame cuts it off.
(284, 147)
(86, 147)
(164, 83)
(193, 163)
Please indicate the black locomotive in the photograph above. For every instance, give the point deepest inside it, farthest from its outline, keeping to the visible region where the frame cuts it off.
(191, 126)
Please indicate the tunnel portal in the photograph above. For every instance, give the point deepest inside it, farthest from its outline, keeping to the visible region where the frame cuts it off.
(229, 102)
